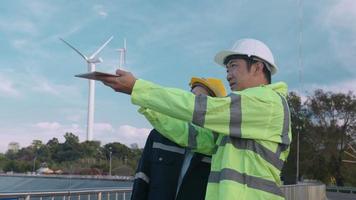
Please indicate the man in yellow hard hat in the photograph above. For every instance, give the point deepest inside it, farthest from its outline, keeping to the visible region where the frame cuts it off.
(252, 122)
(169, 171)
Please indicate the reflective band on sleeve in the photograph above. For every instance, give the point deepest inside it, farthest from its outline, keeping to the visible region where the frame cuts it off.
(248, 144)
(192, 137)
(200, 110)
(206, 160)
(142, 176)
(286, 120)
(281, 148)
(158, 145)
(235, 115)
(250, 181)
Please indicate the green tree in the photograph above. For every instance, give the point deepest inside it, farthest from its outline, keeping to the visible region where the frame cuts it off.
(18, 166)
(333, 129)
(300, 120)
(118, 150)
(71, 139)
(3, 161)
(70, 149)
(36, 144)
(90, 149)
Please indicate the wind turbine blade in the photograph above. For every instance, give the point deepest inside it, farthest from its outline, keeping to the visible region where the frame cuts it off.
(101, 48)
(76, 50)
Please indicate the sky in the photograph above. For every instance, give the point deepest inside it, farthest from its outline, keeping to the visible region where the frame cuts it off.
(168, 42)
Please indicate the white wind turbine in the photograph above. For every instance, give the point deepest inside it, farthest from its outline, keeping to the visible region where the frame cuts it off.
(122, 52)
(92, 60)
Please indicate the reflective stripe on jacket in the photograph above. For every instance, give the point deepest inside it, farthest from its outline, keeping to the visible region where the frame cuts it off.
(253, 128)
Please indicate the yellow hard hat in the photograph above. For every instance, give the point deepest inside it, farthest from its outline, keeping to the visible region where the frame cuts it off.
(214, 84)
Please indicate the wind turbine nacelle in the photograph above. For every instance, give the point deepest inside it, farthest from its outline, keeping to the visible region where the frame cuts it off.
(95, 60)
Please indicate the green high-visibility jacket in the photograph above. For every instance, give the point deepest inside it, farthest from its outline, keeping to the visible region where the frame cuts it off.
(247, 133)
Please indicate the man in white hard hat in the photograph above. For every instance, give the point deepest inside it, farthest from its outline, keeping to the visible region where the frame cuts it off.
(252, 123)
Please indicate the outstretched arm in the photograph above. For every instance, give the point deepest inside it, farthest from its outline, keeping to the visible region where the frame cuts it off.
(183, 133)
(256, 113)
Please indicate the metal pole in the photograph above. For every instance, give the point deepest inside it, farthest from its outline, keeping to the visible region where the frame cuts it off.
(110, 161)
(34, 160)
(34, 164)
(300, 58)
(99, 196)
(297, 178)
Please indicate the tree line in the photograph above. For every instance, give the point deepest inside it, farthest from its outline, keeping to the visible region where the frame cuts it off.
(72, 157)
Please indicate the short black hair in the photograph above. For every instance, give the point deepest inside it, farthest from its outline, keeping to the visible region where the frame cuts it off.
(250, 60)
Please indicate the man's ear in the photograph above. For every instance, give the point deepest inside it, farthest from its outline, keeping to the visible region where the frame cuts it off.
(257, 67)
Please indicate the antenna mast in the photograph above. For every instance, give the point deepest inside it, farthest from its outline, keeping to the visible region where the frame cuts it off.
(300, 73)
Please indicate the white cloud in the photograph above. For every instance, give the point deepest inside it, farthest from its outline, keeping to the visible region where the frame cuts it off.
(48, 125)
(43, 85)
(340, 20)
(46, 87)
(55, 129)
(7, 87)
(17, 25)
(341, 87)
(125, 134)
(44, 131)
(74, 117)
(102, 13)
(100, 10)
(129, 134)
(103, 127)
(342, 15)
(344, 86)
(19, 44)
(41, 9)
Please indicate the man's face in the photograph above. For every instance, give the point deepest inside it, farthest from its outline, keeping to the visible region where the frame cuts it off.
(238, 75)
(200, 90)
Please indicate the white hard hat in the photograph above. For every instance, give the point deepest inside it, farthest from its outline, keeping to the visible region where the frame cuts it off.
(249, 47)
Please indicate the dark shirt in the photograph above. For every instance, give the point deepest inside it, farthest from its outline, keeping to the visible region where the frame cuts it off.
(159, 168)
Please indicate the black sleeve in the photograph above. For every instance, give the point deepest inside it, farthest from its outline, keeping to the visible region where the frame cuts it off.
(140, 187)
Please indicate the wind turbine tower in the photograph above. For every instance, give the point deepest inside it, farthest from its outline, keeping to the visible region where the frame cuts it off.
(122, 52)
(92, 60)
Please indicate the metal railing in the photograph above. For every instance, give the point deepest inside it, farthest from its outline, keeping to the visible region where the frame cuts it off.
(89, 194)
(98, 177)
(341, 189)
(305, 191)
